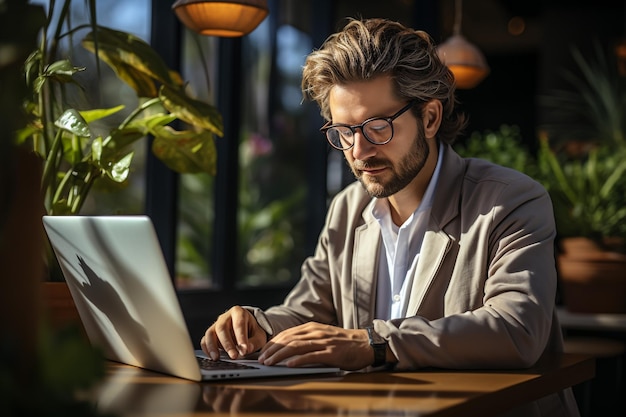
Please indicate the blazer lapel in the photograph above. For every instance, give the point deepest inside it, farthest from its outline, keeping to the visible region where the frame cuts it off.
(364, 272)
(437, 242)
(434, 249)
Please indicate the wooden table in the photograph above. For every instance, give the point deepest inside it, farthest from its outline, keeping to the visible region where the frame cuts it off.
(129, 391)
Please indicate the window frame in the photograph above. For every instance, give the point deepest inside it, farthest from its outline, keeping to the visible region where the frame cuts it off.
(202, 306)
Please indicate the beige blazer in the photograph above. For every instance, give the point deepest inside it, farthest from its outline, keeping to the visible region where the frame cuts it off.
(483, 292)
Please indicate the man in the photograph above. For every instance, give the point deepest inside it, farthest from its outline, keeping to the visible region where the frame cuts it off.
(429, 259)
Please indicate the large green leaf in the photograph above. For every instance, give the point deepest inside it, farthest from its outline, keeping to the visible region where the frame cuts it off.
(192, 111)
(60, 71)
(185, 151)
(156, 120)
(133, 60)
(120, 139)
(76, 133)
(72, 122)
(110, 161)
(118, 171)
(136, 129)
(97, 114)
(143, 85)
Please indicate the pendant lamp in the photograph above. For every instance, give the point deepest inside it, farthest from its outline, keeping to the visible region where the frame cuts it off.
(221, 18)
(465, 60)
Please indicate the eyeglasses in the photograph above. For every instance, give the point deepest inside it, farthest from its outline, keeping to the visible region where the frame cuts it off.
(377, 130)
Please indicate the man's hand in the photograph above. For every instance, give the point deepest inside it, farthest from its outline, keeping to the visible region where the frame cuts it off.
(236, 332)
(315, 343)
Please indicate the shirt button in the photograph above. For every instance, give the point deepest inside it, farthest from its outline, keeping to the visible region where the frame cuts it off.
(396, 298)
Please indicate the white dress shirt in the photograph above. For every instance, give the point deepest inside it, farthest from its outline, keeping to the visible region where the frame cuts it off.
(400, 251)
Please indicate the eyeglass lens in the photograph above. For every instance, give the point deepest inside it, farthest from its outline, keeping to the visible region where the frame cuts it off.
(378, 131)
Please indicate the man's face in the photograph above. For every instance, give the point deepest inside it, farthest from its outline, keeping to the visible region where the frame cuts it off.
(386, 169)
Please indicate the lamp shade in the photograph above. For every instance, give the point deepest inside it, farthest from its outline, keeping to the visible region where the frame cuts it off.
(221, 18)
(465, 61)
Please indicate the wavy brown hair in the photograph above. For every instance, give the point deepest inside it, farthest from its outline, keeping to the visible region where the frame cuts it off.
(366, 49)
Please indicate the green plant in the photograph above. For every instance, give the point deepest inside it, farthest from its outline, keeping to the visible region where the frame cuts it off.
(269, 228)
(66, 366)
(270, 221)
(75, 154)
(35, 358)
(588, 193)
(582, 150)
(504, 146)
(593, 108)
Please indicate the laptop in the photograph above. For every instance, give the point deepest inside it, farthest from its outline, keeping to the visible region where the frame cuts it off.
(124, 294)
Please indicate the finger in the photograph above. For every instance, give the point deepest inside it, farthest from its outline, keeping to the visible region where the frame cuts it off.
(316, 357)
(241, 322)
(302, 333)
(224, 333)
(209, 344)
(283, 351)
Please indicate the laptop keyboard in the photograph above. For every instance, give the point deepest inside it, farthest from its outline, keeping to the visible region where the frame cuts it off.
(218, 365)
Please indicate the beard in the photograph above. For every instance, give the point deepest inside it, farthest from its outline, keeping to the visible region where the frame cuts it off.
(402, 173)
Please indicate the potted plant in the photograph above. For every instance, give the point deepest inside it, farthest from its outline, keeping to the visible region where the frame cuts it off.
(76, 155)
(35, 358)
(588, 192)
(589, 196)
(63, 149)
(81, 146)
(582, 162)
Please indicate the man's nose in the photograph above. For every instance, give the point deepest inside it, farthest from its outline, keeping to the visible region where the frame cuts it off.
(362, 148)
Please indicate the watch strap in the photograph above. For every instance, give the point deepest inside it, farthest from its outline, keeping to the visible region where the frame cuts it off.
(379, 345)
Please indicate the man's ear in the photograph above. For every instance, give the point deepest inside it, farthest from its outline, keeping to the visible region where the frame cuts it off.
(432, 114)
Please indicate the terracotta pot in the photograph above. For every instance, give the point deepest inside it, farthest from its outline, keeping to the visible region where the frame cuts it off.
(592, 277)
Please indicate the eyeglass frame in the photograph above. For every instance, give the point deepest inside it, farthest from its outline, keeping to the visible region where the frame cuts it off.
(324, 129)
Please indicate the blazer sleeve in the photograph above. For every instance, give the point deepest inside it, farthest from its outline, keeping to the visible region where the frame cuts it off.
(494, 294)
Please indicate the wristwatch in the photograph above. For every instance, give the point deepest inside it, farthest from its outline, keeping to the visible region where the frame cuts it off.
(379, 345)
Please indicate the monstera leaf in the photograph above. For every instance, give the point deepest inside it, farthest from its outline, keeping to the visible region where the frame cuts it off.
(194, 112)
(185, 151)
(133, 60)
